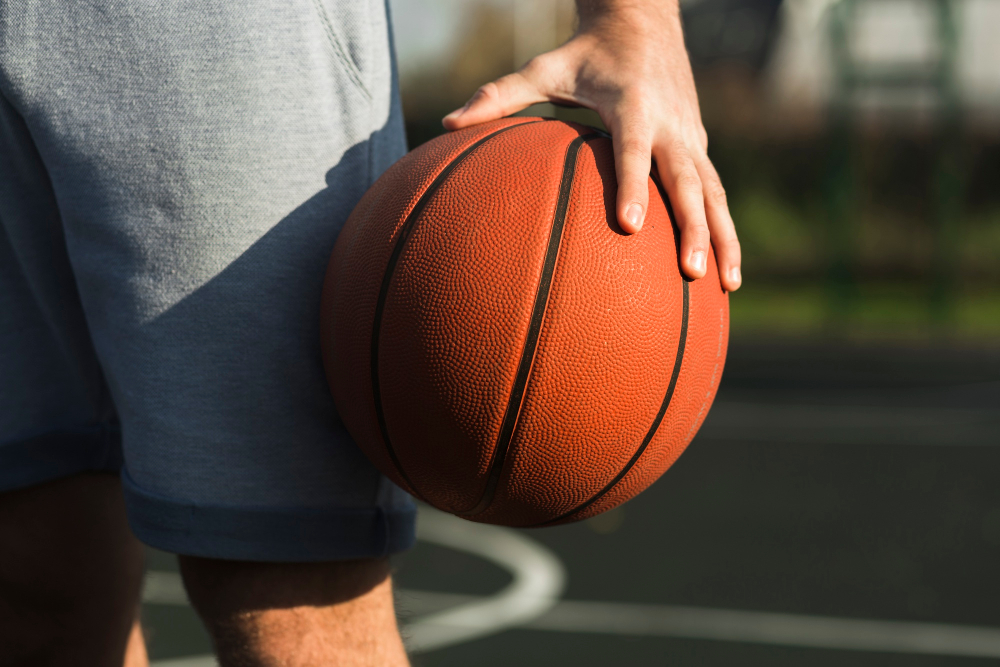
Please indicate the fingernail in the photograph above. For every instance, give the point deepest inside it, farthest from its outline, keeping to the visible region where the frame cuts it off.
(698, 260)
(734, 276)
(456, 113)
(634, 216)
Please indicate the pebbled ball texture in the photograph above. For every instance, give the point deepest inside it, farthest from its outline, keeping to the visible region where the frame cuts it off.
(498, 347)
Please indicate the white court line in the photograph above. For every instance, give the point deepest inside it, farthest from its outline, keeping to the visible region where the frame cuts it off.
(647, 620)
(207, 660)
(538, 582)
(164, 588)
(755, 627)
(770, 628)
(530, 602)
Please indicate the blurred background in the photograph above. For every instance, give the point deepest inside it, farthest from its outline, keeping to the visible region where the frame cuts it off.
(841, 504)
(859, 142)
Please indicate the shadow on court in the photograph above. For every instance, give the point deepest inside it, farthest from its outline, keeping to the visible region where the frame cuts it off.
(840, 482)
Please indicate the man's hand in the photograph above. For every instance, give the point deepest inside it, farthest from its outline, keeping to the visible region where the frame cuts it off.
(628, 63)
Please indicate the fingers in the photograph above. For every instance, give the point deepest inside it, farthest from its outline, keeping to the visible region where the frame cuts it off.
(496, 99)
(720, 226)
(632, 146)
(683, 183)
(690, 179)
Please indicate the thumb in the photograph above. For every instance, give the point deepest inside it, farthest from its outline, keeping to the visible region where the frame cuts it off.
(496, 99)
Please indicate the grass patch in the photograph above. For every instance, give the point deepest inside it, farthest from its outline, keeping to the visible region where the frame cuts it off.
(880, 310)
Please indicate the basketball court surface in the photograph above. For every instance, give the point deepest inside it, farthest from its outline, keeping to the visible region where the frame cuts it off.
(841, 505)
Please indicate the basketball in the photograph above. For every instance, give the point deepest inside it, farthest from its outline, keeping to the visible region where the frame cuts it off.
(495, 343)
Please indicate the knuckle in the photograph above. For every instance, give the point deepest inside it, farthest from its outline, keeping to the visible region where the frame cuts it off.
(477, 97)
(715, 194)
(679, 148)
(687, 179)
(695, 230)
(489, 92)
(730, 246)
(634, 150)
(537, 66)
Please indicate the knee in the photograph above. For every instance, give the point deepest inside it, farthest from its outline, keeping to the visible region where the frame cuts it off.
(70, 572)
(220, 588)
(296, 614)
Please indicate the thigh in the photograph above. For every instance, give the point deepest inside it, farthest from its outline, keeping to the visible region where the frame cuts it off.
(204, 156)
(56, 418)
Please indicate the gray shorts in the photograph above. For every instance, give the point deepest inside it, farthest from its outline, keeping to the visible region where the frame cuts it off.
(173, 176)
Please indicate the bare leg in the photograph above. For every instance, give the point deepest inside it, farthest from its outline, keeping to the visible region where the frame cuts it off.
(263, 614)
(135, 651)
(70, 575)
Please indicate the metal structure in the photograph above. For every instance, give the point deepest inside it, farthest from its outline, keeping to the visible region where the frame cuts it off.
(852, 78)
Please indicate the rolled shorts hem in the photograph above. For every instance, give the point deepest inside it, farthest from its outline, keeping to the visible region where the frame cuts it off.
(291, 535)
(57, 454)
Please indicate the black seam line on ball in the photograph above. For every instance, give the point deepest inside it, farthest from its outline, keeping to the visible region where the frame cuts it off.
(515, 400)
(397, 250)
(656, 422)
(685, 307)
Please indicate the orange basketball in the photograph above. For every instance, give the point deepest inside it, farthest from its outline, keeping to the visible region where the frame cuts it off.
(498, 347)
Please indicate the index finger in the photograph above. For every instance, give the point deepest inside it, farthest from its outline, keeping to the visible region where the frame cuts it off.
(633, 146)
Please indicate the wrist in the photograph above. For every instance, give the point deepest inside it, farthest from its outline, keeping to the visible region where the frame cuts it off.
(632, 15)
